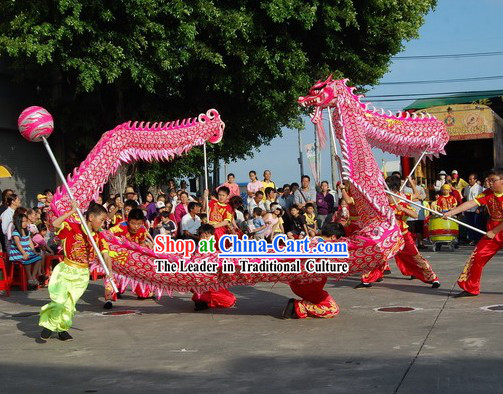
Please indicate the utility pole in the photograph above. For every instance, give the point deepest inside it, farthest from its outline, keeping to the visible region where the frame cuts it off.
(300, 159)
(333, 151)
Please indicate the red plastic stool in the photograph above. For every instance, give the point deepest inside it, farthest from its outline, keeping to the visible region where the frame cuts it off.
(5, 282)
(20, 280)
(95, 275)
(49, 259)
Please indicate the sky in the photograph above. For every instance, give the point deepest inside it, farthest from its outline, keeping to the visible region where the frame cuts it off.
(455, 26)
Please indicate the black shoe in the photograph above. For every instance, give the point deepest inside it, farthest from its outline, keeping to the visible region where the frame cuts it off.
(464, 294)
(45, 334)
(379, 280)
(108, 305)
(412, 277)
(200, 306)
(387, 272)
(119, 296)
(435, 284)
(363, 286)
(141, 298)
(289, 311)
(64, 336)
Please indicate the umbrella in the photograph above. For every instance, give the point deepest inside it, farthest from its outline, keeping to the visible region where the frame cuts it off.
(4, 172)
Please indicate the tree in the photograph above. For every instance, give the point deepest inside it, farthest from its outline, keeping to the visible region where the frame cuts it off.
(98, 63)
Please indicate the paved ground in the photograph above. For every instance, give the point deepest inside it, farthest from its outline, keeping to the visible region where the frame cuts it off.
(445, 346)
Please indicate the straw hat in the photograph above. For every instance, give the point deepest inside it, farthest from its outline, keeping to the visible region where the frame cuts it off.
(129, 190)
(446, 187)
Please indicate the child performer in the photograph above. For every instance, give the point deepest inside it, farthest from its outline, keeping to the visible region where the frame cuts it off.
(446, 201)
(134, 231)
(409, 260)
(70, 278)
(220, 213)
(315, 302)
(491, 243)
(222, 298)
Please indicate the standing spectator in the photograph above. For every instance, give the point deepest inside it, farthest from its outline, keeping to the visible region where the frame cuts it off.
(6, 193)
(418, 194)
(49, 196)
(13, 202)
(150, 207)
(253, 186)
(130, 194)
(191, 222)
(305, 194)
(182, 208)
(440, 180)
(473, 215)
(458, 183)
(325, 203)
(231, 185)
(267, 182)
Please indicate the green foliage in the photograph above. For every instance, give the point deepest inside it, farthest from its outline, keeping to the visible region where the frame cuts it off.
(97, 63)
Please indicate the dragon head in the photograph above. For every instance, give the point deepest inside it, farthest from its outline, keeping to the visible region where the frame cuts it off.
(322, 93)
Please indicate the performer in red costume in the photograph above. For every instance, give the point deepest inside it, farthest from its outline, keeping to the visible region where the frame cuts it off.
(491, 243)
(409, 260)
(446, 201)
(220, 214)
(315, 301)
(134, 231)
(222, 298)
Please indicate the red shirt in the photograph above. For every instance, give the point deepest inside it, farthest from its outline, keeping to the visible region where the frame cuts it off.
(122, 230)
(446, 203)
(494, 203)
(219, 212)
(401, 216)
(76, 244)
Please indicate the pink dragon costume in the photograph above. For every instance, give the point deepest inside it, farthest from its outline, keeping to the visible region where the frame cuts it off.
(357, 129)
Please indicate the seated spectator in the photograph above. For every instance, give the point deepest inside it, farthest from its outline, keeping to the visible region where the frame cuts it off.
(166, 225)
(257, 202)
(259, 225)
(305, 194)
(310, 217)
(191, 222)
(23, 250)
(270, 195)
(299, 228)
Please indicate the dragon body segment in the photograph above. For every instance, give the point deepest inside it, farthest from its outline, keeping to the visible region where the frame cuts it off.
(357, 130)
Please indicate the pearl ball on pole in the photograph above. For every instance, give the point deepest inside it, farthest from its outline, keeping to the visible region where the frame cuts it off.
(36, 124)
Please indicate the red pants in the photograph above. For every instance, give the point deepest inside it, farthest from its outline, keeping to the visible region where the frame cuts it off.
(315, 302)
(469, 280)
(409, 261)
(222, 298)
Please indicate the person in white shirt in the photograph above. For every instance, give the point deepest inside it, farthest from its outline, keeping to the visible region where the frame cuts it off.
(257, 202)
(473, 215)
(13, 202)
(191, 221)
(440, 181)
